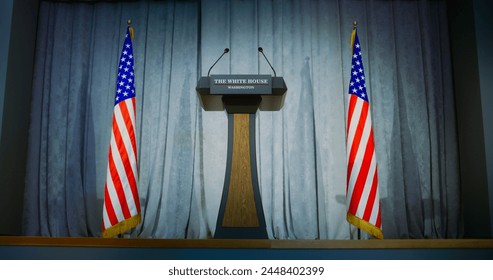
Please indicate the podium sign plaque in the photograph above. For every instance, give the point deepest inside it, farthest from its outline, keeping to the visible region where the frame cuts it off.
(241, 84)
(241, 214)
(270, 97)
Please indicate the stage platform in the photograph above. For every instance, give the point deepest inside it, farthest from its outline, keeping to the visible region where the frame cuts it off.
(33, 248)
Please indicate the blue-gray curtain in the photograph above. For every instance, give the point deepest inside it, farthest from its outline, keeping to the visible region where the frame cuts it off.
(300, 150)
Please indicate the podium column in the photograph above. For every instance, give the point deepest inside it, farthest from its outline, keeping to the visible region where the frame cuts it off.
(241, 213)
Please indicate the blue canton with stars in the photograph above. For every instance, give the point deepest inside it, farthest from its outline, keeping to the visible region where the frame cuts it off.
(357, 84)
(125, 84)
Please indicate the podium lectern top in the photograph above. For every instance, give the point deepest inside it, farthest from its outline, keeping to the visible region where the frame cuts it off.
(241, 93)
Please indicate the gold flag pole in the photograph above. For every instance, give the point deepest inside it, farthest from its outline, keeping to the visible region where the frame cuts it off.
(353, 34)
(130, 29)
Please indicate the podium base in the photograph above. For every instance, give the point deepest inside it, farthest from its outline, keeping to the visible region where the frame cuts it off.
(241, 214)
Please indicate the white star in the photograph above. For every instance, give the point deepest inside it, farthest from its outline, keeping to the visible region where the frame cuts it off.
(355, 73)
(125, 52)
(124, 76)
(357, 46)
(121, 83)
(360, 70)
(127, 46)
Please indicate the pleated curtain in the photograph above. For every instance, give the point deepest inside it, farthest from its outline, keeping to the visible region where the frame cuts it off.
(301, 150)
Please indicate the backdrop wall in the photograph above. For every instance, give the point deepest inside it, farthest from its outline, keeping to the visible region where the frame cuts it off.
(301, 149)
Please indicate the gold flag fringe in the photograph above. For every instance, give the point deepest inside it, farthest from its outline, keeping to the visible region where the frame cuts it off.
(364, 225)
(122, 226)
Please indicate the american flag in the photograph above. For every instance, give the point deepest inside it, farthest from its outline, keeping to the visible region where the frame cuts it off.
(362, 199)
(121, 210)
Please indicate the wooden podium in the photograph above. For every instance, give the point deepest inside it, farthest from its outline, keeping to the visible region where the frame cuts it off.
(241, 214)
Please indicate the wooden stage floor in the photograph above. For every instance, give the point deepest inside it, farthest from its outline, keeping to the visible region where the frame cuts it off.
(21, 247)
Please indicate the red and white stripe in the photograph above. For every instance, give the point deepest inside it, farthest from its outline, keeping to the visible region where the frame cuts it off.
(362, 181)
(121, 199)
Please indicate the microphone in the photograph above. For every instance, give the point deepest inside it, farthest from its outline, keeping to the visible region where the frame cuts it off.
(226, 50)
(262, 51)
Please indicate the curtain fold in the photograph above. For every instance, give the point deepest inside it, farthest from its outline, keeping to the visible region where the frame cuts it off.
(301, 153)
